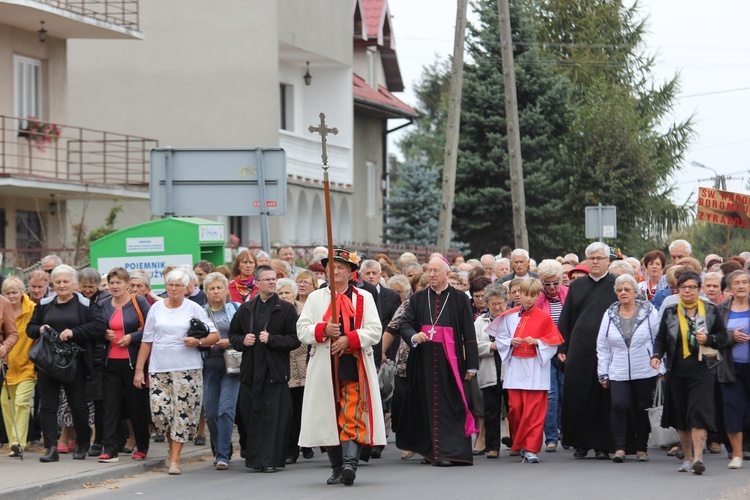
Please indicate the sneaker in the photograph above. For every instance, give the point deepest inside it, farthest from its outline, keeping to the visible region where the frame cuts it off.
(687, 466)
(139, 455)
(529, 457)
(736, 463)
(221, 465)
(106, 458)
(698, 467)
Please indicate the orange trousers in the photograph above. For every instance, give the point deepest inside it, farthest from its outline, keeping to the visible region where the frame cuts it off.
(351, 420)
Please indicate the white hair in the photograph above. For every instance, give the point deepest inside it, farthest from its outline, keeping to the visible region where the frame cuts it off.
(597, 246)
(621, 264)
(549, 267)
(52, 257)
(519, 252)
(282, 282)
(681, 244)
(189, 271)
(633, 262)
(626, 279)
(64, 269)
(502, 260)
(177, 275)
(216, 276)
(369, 263)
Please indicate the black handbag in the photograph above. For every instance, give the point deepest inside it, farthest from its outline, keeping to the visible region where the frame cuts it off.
(198, 329)
(54, 357)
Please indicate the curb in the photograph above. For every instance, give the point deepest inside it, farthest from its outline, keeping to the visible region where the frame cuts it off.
(78, 481)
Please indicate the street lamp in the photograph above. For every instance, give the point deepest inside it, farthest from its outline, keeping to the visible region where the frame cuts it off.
(720, 181)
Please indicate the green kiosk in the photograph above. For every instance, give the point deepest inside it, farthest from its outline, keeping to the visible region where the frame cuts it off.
(157, 244)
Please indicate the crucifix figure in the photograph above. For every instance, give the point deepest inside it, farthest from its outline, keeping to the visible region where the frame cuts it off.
(323, 130)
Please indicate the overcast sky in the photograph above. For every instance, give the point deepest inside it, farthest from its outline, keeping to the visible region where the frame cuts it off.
(706, 43)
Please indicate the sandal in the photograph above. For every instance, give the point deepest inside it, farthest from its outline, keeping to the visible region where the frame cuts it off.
(642, 456)
(619, 457)
(551, 447)
(406, 455)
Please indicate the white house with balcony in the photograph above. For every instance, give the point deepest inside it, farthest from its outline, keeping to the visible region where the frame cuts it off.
(51, 166)
(245, 74)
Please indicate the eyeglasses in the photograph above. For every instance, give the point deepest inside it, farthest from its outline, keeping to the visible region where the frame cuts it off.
(48, 271)
(620, 290)
(597, 259)
(551, 283)
(269, 280)
(689, 287)
(304, 282)
(175, 285)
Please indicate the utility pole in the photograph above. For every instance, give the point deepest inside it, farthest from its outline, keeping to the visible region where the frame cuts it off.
(451, 134)
(517, 194)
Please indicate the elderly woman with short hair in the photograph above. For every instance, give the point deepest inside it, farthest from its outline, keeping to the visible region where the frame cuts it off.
(551, 301)
(140, 284)
(220, 389)
(489, 375)
(624, 347)
(685, 330)
(175, 365)
(78, 321)
(620, 267)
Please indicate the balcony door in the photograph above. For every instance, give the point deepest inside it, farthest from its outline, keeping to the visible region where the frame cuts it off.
(27, 88)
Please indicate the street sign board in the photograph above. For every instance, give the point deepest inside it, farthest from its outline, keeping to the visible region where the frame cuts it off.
(601, 222)
(208, 181)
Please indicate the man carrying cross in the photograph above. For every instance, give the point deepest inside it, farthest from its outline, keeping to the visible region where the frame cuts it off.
(341, 409)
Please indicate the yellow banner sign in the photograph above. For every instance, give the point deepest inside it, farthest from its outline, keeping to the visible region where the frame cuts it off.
(725, 208)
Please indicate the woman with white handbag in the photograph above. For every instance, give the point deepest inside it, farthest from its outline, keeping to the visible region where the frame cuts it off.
(221, 368)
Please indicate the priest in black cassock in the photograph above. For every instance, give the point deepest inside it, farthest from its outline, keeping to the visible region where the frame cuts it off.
(435, 420)
(586, 406)
(265, 330)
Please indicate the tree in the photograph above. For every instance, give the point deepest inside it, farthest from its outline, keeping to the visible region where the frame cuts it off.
(482, 213)
(624, 151)
(414, 204)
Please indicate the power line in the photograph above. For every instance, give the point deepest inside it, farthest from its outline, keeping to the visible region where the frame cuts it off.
(727, 91)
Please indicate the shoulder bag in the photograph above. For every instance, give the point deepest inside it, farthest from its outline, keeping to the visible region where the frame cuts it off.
(232, 357)
(54, 357)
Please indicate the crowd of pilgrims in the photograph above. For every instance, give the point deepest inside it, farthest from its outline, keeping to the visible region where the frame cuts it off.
(466, 356)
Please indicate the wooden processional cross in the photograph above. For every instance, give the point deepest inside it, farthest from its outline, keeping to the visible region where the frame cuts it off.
(324, 130)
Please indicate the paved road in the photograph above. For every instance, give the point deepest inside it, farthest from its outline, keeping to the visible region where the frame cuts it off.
(559, 476)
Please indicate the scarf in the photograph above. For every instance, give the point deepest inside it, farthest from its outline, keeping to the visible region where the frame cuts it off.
(687, 326)
(344, 308)
(245, 287)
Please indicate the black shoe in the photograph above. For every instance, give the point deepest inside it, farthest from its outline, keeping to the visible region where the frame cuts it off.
(376, 452)
(81, 450)
(444, 463)
(602, 455)
(50, 456)
(335, 476)
(291, 460)
(242, 453)
(269, 470)
(15, 451)
(308, 453)
(507, 441)
(200, 440)
(580, 453)
(159, 438)
(95, 450)
(424, 461)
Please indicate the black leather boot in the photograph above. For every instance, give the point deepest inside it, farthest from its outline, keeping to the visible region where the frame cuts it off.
(336, 457)
(51, 455)
(351, 450)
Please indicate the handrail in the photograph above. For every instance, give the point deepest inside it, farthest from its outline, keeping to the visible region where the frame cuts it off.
(121, 12)
(33, 148)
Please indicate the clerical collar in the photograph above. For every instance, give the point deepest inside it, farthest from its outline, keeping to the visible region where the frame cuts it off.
(599, 278)
(438, 292)
(265, 300)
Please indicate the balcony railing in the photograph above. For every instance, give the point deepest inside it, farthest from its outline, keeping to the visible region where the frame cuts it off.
(39, 149)
(121, 12)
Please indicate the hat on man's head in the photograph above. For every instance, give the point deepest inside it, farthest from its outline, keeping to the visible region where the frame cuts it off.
(344, 255)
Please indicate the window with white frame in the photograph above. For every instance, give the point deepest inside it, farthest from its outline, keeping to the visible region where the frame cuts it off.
(27, 87)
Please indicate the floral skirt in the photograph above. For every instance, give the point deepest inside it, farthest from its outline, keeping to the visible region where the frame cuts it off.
(176, 403)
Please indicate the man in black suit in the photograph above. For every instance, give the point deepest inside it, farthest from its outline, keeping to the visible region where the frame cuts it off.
(387, 301)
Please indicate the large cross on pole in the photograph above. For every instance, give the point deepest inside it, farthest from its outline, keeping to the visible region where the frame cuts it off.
(324, 130)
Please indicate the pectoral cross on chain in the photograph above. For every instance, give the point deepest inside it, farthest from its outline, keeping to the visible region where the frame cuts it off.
(323, 130)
